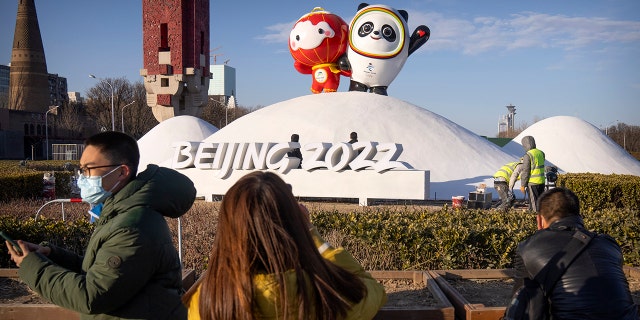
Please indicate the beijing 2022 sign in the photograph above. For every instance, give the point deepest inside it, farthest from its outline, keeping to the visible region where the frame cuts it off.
(227, 156)
(362, 170)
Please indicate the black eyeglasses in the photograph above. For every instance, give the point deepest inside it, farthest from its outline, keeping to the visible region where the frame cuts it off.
(86, 171)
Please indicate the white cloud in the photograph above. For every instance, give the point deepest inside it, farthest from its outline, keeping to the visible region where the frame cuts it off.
(277, 33)
(530, 30)
(518, 31)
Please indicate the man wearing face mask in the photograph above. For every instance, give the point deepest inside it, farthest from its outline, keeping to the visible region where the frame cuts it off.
(130, 269)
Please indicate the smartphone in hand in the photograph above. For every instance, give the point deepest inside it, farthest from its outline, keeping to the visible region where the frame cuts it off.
(13, 243)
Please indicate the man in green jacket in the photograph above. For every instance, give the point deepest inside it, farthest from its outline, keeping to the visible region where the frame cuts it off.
(131, 269)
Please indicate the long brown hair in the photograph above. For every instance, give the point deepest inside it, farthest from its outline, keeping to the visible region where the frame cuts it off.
(262, 230)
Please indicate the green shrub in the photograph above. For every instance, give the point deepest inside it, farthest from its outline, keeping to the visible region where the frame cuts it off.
(381, 238)
(26, 185)
(72, 235)
(417, 239)
(25, 181)
(598, 191)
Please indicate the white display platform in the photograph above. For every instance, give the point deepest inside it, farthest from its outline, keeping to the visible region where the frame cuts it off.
(363, 185)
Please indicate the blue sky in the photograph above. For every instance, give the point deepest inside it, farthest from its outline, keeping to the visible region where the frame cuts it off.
(548, 58)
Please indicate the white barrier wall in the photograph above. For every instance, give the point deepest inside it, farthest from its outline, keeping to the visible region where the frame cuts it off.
(364, 185)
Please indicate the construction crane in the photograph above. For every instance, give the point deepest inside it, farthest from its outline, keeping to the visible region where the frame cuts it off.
(215, 55)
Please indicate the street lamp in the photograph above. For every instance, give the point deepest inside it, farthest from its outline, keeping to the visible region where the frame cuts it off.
(606, 129)
(113, 125)
(122, 113)
(46, 128)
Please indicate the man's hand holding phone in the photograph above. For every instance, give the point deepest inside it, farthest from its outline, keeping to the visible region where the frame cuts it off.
(18, 248)
(11, 243)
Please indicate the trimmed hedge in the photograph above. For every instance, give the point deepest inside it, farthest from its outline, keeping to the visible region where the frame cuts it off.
(402, 238)
(20, 180)
(73, 236)
(598, 191)
(416, 239)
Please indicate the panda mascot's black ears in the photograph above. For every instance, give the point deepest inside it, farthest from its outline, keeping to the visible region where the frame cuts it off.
(404, 14)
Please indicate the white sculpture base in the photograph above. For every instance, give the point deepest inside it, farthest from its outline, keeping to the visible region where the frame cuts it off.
(363, 185)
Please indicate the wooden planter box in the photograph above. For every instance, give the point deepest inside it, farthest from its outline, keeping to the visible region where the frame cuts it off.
(466, 310)
(19, 311)
(443, 310)
(463, 308)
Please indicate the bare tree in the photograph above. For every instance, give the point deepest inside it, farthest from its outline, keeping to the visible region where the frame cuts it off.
(512, 133)
(99, 106)
(70, 120)
(134, 116)
(137, 118)
(216, 112)
(625, 135)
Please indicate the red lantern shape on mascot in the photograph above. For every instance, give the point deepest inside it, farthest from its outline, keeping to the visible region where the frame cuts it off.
(316, 42)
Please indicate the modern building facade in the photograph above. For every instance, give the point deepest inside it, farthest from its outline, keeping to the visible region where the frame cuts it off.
(75, 97)
(223, 81)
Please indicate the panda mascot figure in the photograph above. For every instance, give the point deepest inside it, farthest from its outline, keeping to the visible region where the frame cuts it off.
(379, 46)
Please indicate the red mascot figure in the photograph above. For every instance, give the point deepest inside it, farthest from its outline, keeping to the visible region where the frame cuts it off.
(317, 41)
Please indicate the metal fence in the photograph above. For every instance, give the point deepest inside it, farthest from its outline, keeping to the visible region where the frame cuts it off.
(67, 151)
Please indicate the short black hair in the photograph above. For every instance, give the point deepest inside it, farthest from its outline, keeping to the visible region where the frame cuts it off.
(558, 203)
(118, 147)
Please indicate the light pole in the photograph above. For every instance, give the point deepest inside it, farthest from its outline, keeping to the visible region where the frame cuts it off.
(606, 129)
(113, 124)
(122, 113)
(46, 128)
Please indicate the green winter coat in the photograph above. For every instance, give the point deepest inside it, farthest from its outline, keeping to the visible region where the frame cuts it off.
(131, 269)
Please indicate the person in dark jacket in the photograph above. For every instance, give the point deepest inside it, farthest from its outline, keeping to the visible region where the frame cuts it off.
(532, 176)
(594, 286)
(353, 137)
(295, 152)
(130, 269)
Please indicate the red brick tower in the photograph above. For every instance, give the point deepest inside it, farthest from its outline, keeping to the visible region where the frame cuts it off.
(28, 77)
(176, 56)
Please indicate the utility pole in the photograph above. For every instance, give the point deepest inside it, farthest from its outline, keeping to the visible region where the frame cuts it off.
(46, 128)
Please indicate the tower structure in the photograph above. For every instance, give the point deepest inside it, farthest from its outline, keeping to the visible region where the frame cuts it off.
(511, 117)
(507, 122)
(175, 56)
(29, 80)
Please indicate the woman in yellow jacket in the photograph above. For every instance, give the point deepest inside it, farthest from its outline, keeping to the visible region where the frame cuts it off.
(269, 262)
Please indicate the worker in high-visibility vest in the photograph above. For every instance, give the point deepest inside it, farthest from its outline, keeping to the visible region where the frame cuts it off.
(532, 176)
(501, 183)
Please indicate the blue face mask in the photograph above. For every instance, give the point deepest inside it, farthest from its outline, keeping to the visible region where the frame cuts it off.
(91, 190)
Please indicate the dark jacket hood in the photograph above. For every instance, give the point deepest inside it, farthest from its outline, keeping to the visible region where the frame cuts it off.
(528, 143)
(162, 189)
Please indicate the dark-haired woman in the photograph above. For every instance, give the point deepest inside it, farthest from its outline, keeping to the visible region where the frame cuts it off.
(269, 262)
